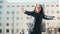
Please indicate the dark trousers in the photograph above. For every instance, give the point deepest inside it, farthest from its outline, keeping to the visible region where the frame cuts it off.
(35, 32)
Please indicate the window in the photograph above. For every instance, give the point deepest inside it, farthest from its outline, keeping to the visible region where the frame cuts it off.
(57, 5)
(17, 24)
(47, 11)
(12, 24)
(27, 17)
(22, 5)
(0, 30)
(7, 24)
(1, 1)
(58, 17)
(0, 12)
(13, 12)
(32, 5)
(17, 30)
(7, 30)
(18, 6)
(52, 12)
(27, 5)
(47, 5)
(22, 18)
(57, 12)
(0, 7)
(12, 30)
(12, 18)
(0, 18)
(52, 5)
(17, 18)
(17, 12)
(8, 12)
(13, 6)
(8, 6)
(7, 18)
(0, 24)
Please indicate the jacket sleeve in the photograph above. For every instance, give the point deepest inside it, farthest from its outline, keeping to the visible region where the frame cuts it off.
(48, 17)
(28, 13)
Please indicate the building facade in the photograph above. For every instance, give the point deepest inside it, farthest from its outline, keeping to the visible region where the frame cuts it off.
(13, 21)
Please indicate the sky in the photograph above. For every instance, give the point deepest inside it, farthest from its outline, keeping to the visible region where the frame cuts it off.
(32, 1)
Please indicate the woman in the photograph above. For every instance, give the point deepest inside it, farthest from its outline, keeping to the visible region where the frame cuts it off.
(38, 14)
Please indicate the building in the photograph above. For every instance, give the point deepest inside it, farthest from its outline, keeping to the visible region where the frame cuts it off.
(12, 20)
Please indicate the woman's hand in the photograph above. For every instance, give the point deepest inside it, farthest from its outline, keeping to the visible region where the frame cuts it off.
(23, 9)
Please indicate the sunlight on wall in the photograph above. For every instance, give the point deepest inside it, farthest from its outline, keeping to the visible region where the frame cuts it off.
(32, 1)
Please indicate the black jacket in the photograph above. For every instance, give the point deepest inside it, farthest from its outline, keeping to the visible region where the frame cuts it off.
(38, 20)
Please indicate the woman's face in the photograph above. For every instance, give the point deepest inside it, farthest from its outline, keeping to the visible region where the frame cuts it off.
(38, 8)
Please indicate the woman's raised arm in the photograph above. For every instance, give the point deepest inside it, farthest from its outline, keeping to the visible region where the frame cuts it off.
(48, 17)
(26, 12)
